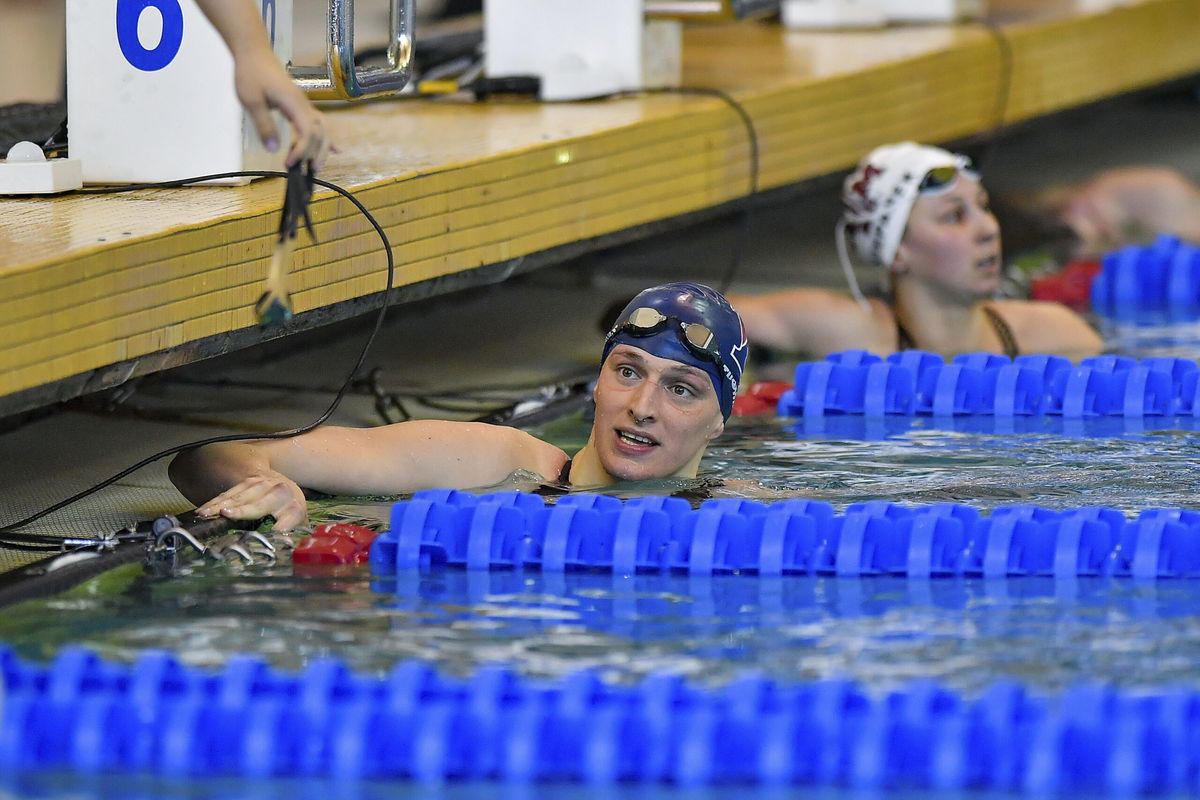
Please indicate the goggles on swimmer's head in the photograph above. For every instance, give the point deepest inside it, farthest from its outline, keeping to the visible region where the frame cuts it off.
(689, 323)
(697, 338)
(939, 179)
(878, 197)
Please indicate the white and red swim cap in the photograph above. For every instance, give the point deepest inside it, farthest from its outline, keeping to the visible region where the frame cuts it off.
(878, 195)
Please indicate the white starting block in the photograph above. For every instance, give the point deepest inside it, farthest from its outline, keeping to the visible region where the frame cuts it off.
(581, 48)
(150, 92)
(827, 14)
(832, 14)
(933, 10)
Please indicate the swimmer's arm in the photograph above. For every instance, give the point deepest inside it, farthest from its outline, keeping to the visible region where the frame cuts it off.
(246, 480)
(263, 84)
(814, 321)
(1044, 327)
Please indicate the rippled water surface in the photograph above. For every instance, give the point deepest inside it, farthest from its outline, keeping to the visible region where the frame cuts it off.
(1045, 461)
(883, 632)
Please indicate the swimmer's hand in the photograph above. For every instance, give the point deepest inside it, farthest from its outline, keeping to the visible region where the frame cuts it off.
(268, 494)
(262, 85)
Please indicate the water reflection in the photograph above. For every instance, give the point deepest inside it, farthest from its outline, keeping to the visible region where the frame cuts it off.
(861, 428)
(1121, 464)
(881, 631)
(56, 786)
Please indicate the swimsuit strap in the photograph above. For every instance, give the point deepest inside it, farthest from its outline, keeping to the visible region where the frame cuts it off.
(1008, 342)
(561, 485)
(904, 339)
(694, 494)
(1003, 332)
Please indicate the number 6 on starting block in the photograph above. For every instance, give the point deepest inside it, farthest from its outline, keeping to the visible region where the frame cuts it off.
(150, 93)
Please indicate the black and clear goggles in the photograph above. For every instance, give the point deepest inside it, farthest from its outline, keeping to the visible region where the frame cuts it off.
(697, 338)
(939, 179)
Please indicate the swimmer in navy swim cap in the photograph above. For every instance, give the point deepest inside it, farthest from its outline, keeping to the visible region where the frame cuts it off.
(672, 364)
(671, 367)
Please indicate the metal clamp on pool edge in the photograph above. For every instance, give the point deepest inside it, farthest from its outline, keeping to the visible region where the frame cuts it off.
(913, 382)
(162, 717)
(510, 530)
(158, 544)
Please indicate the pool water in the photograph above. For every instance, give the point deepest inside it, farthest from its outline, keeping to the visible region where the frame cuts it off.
(882, 632)
(1151, 335)
(984, 462)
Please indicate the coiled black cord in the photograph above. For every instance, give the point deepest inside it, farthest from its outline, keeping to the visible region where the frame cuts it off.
(743, 230)
(530, 86)
(1003, 95)
(8, 534)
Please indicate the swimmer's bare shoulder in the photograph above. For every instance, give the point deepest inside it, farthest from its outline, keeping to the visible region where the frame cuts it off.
(816, 321)
(1045, 327)
(478, 454)
(409, 456)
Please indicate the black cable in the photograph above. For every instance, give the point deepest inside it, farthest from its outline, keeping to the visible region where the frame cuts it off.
(723, 286)
(529, 85)
(467, 406)
(743, 231)
(1003, 95)
(30, 543)
(480, 393)
(484, 87)
(235, 437)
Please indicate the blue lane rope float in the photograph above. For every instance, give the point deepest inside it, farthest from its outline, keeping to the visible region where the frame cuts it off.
(863, 428)
(1163, 276)
(159, 716)
(916, 383)
(511, 530)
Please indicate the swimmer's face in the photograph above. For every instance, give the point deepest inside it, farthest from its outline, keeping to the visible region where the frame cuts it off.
(952, 242)
(654, 416)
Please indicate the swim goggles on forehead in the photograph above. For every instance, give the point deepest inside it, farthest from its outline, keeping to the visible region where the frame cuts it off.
(697, 338)
(939, 179)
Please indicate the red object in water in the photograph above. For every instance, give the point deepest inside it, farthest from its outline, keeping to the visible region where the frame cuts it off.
(1072, 286)
(335, 543)
(761, 397)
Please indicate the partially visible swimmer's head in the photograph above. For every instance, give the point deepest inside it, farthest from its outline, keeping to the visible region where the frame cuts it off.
(690, 323)
(878, 196)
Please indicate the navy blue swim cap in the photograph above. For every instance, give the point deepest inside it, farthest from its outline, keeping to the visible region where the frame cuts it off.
(689, 323)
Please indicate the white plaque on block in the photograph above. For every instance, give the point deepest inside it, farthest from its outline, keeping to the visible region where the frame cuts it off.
(150, 93)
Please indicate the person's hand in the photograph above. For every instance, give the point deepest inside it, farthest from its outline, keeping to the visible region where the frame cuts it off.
(259, 496)
(1131, 205)
(262, 85)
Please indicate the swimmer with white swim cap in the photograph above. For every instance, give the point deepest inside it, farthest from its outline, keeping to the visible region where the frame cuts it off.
(922, 214)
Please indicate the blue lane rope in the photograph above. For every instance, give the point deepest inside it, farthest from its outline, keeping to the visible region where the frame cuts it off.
(856, 427)
(917, 383)
(512, 530)
(162, 717)
(1162, 277)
